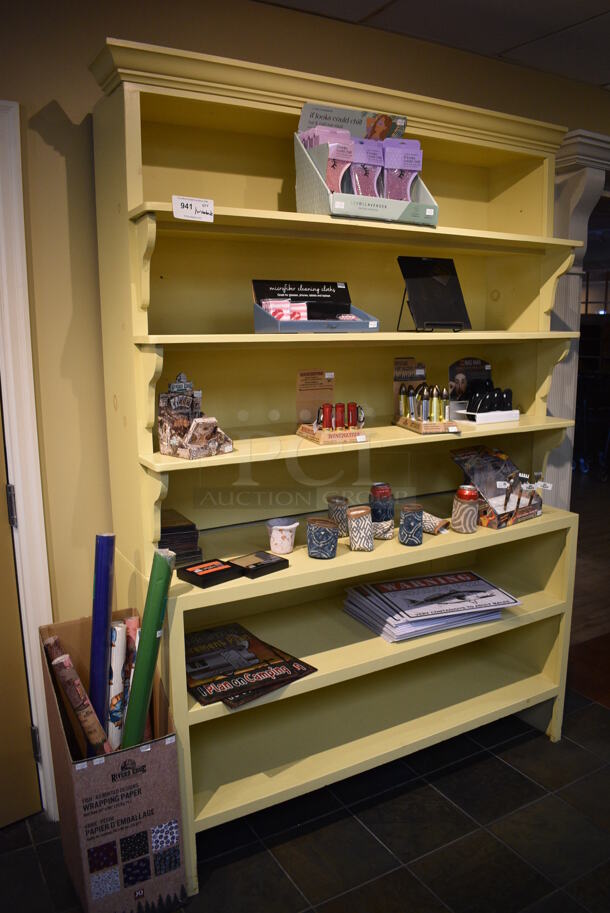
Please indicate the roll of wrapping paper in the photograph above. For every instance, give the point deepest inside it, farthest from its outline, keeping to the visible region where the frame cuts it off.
(147, 736)
(100, 626)
(148, 649)
(118, 643)
(72, 687)
(132, 626)
(53, 648)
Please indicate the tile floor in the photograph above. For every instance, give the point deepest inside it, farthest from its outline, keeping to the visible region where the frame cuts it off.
(497, 821)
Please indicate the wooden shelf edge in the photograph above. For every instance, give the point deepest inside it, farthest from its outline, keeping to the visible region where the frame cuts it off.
(291, 446)
(242, 219)
(409, 651)
(478, 711)
(337, 339)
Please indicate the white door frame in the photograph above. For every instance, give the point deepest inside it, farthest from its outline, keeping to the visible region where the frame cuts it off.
(21, 434)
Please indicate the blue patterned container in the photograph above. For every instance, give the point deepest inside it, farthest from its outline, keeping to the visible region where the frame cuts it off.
(411, 531)
(381, 501)
(322, 537)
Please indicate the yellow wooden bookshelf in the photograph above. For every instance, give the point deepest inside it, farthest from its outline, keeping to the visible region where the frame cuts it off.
(176, 296)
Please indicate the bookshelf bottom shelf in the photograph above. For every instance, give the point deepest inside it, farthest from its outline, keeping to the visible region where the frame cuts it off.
(244, 763)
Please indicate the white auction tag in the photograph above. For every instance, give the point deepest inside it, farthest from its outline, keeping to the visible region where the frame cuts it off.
(529, 486)
(429, 212)
(544, 486)
(502, 485)
(453, 429)
(339, 204)
(360, 438)
(372, 324)
(194, 209)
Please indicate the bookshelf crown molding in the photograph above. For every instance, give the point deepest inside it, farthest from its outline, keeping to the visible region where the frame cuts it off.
(286, 90)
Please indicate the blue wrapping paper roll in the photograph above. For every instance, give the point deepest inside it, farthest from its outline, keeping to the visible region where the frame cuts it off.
(100, 626)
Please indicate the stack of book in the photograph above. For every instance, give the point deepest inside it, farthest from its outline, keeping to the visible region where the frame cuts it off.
(180, 536)
(401, 609)
(230, 664)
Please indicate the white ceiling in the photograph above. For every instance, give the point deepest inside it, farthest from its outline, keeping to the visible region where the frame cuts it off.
(568, 37)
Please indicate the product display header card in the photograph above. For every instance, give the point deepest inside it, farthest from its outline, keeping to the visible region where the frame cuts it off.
(361, 124)
(313, 389)
(466, 376)
(335, 293)
(407, 371)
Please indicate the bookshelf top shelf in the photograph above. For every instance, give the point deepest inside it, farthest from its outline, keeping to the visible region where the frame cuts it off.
(270, 223)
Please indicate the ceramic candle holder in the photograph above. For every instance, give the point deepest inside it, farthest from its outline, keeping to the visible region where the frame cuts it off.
(360, 528)
(322, 536)
(411, 524)
(281, 535)
(337, 511)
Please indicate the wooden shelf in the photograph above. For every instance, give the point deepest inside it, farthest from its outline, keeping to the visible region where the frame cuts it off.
(290, 446)
(475, 688)
(340, 648)
(263, 222)
(348, 565)
(296, 340)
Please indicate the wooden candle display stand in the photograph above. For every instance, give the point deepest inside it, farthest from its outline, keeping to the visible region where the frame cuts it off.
(426, 427)
(328, 436)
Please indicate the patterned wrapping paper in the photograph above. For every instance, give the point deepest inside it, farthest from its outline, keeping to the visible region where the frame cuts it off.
(134, 872)
(164, 835)
(102, 856)
(133, 846)
(105, 883)
(167, 860)
(72, 687)
(118, 645)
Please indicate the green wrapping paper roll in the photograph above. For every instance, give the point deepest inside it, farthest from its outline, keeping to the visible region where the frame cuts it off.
(148, 649)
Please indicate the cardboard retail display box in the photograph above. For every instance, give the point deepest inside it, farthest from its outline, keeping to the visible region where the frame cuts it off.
(120, 818)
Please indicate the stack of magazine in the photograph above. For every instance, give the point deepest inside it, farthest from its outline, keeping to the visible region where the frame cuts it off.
(402, 609)
(230, 664)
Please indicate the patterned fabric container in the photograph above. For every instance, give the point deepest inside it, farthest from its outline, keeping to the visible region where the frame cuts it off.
(465, 513)
(383, 529)
(434, 525)
(360, 528)
(337, 511)
(322, 536)
(381, 501)
(411, 528)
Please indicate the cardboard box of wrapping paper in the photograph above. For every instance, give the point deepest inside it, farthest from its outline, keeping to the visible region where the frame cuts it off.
(120, 817)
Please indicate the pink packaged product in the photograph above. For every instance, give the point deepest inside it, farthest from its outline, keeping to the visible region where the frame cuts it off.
(402, 161)
(278, 307)
(285, 309)
(339, 159)
(298, 310)
(366, 167)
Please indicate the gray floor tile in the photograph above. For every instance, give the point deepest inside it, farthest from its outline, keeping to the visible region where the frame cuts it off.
(554, 838)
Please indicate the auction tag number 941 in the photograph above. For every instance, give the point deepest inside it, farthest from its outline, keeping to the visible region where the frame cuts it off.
(193, 208)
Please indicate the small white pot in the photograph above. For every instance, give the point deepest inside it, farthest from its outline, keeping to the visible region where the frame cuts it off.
(281, 535)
